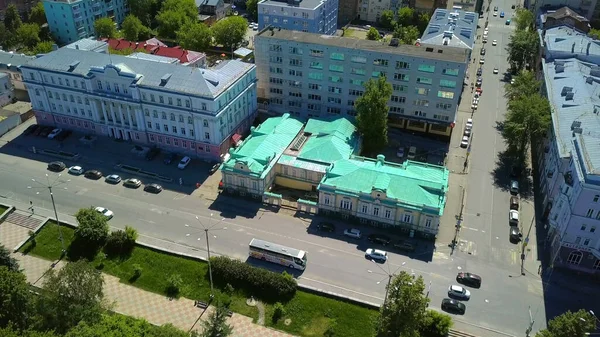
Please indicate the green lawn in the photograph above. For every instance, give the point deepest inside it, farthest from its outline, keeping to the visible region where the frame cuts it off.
(2, 209)
(310, 315)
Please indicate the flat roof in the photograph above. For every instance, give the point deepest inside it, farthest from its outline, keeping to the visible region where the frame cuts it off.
(456, 28)
(304, 4)
(433, 52)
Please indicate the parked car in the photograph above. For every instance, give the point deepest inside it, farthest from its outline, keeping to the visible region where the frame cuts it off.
(63, 135)
(459, 292)
(45, 131)
(132, 182)
(495, 71)
(507, 22)
(379, 239)
(514, 234)
(514, 203)
(93, 174)
(353, 233)
(326, 227)
(169, 158)
(494, 42)
(479, 71)
(469, 279)
(404, 246)
(54, 133)
(412, 152)
(105, 211)
(153, 188)
(482, 60)
(113, 179)
(501, 14)
(513, 217)
(152, 153)
(454, 306)
(376, 254)
(400, 152)
(214, 168)
(482, 52)
(514, 187)
(469, 124)
(184, 162)
(56, 166)
(464, 143)
(76, 170)
(30, 129)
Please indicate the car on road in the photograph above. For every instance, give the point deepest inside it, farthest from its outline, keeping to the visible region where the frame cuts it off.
(132, 182)
(404, 246)
(495, 13)
(353, 233)
(469, 124)
(184, 162)
(514, 187)
(513, 217)
(453, 306)
(479, 71)
(376, 254)
(54, 133)
(93, 174)
(381, 239)
(63, 135)
(76, 170)
(514, 203)
(464, 142)
(153, 188)
(152, 153)
(169, 158)
(400, 152)
(494, 42)
(214, 168)
(482, 60)
(482, 52)
(507, 22)
(514, 234)
(45, 131)
(467, 133)
(326, 227)
(501, 14)
(469, 279)
(113, 179)
(56, 166)
(495, 70)
(105, 211)
(456, 291)
(30, 129)
(495, 8)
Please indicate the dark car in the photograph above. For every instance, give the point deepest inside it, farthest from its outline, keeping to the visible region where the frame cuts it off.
(515, 234)
(469, 279)
(153, 188)
(404, 246)
(214, 168)
(93, 174)
(455, 306)
(169, 158)
(326, 227)
(45, 131)
(152, 153)
(495, 8)
(56, 166)
(30, 129)
(63, 135)
(379, 239)
(479, 71)
(482, 51)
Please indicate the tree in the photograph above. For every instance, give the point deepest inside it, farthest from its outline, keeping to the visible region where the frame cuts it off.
(387, 19)
(119, 325)
(7, 260)
(132, 28)
(71, 295)
(145, 10)
(42, 47)
(594, 33)
(524, 19)
(12, 19)
(570, 324)
(404, 310)
(373, 34)
(522, 48)
(216, 324)
(11, 332)
(405, 16)
(406, 34)
(372, 113)
(28, 34)
(93, 227)
(195, 36)
(525, 84)
(422, 22)
(185, 7)
(436, 324)
(169, 22)
(105, 27)
(15, 297)
(230, 32)
(38, 14)
(528, 118)
(252, 9)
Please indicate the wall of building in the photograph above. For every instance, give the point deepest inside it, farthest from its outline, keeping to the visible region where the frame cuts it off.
(8, 123)
(370, 10)
(347, 11)
(322, 19)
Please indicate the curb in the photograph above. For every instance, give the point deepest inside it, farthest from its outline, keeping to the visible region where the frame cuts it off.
(138, 171)
(56, 154)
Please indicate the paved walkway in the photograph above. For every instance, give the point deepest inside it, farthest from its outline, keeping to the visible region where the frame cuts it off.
(122, 298)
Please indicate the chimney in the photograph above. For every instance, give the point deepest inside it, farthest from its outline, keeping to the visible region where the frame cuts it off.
(587, 50)
(573, 48)
(380, 160)
(77, 46)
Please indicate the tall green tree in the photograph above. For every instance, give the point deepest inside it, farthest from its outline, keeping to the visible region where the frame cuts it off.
(12, 332)
(594, 33)
(119, 325)
(71, 295)
(524, 19)
(406, 16)
(386, 20)
(372, 114)
(373, 34)
(133, 29)
(195, 36)
(522, 48)
(528, 118)
(216, 324)
(15, 299)
(38, 14)
(406, 34)
(12, 19)
(7, 260)
(5, 37)
(145, 10)
(405, 308)
(422, 22)
(93, 227)
(525, 84)
(186, 7)
(252, 9)
(230, 32)
(436, 324)
(105, 27)
(42, 47)
(29, 34)
(570, 324)
(169, 22)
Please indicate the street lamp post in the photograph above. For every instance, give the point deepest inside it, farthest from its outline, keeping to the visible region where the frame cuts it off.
(389, 275)
(206, 229)
(49, 185)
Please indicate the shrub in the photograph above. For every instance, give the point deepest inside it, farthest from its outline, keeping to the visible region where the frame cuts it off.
(228, 289)
(278, 312)
(137, 271)
(32, 239)
(174, 283)
(436, 324)
(120, 243)
(265, 284)
(92, 231)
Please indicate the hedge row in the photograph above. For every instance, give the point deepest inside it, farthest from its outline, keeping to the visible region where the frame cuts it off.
(265, 284)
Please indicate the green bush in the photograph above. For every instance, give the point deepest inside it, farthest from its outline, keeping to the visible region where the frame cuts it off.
(436, 324)
(265, 284)
(121, 242)
(137, 271)
(278, 312)
(174, 283)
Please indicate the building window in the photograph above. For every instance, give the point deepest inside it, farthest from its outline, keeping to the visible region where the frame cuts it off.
(445, 94)
(428, 222)
(157, 126)
(593, 229)
(596, 197)
(174, 129)
(166, 128)
(426, 68)
(164, 115)
(187, 103)
(326, 200)
(575, 257)
(365, 208)
(402, 65)
(346, 204)
(447, 84)
(315, 52)
(589, 213)
(337, 56)
(203, 106)
(179, 102)
(586, 242)
(358, 59)
(583, 227)
(172, 116)
(190, 120)
(191, 132)
(450, 71)
(376, 211)
(205, 123)
(597, 264)
(407, 218)
(206, 135)
(336, 68)
(170, 101)
(388, 214)
(598, 215)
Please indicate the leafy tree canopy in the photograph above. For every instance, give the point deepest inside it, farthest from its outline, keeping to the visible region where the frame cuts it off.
(252, 9)
(28, 34)
(105, 27)
(195, 36)
(524, 19)
(406, 34)
(115, 325)
(42, 47)
(216, 324)
(15, 298)
(373, 34)
(387, 19)
(522, 48)
(570, 324)
(12, 332)
(372, 113)
(38, 14)
(12, 19)
(133, 29)
(405, 16)
(186, 7)
(145, 10)
(7, 260)
(594, 33)
(169, 22)
(93, 226)
(230, 32)
(525, 84)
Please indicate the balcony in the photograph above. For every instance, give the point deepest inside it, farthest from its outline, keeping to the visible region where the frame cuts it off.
(568, 178)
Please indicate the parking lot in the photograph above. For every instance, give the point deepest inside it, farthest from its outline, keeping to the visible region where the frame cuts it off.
(427, 150)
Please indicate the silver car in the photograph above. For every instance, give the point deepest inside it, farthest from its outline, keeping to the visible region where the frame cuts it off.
(459, 292)
(113, 179)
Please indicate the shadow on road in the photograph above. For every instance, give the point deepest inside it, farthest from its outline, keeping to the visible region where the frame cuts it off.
(507, 169)
(231, 206)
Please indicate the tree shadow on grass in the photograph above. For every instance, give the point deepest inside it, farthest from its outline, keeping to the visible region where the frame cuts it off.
(81, 249)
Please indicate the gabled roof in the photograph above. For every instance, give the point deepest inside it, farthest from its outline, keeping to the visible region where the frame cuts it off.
(565, 12)
(156, 47)
(411, 184)
(456, 28)
(329, 140)
(12, 61)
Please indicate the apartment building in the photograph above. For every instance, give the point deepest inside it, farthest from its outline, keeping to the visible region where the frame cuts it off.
(199, 112)
(570, 155)
(71, 20)
(7, 92)
(314, 16)
(347, 11)
(10, 64)
(312, 75)
(455, 28)
(564, 17)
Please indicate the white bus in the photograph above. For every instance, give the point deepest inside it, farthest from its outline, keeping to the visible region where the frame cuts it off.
(272, 252)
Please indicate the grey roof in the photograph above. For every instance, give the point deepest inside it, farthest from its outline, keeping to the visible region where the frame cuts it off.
(566, 39)
(306, 4)
(88, 44)
(563, 13)
(456, 28)
(444, 53)
(151, 57)
(188, 80)
(11, 60)
(207, 3)
(573, 89)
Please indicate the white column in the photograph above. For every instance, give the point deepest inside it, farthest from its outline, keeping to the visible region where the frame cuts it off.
(104, 112)
(112, 112)
(130, 119)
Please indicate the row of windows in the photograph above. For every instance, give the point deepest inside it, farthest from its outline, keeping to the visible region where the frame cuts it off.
(172, 116)
(284, 11)
(176, 142)
(77, 84)
(174, 129)
(304, 24)
(161, 100)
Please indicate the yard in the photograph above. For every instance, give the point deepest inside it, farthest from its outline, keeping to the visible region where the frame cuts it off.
(2, 209)
(306, 314)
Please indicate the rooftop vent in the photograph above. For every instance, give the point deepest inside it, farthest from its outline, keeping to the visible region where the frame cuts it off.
(165, 79)
(433, 29)
(565, 91)
(569, 96)
(575, 124)
(448, 34)
(73, 65)
(559, 69)
(470, 17)
(466, 33)
(300, 141)
(589, 80)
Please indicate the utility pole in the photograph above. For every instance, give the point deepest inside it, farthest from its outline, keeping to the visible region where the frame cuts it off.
(531, 321)
(459, 219)
(525, 243)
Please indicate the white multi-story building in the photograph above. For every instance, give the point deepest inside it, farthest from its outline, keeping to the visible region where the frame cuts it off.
(6, 90)
(200, 112)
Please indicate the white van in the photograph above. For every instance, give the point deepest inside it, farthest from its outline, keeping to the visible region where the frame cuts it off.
(412, 152)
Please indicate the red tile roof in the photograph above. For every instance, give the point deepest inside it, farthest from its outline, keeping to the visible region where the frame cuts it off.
(184, 56)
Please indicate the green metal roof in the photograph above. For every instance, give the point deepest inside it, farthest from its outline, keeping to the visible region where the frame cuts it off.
(329, 140)
(412, 183)
(265, 143)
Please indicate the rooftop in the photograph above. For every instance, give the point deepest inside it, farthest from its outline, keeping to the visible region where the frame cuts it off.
(12, 60)
(568, 40)
(306, 4)
(445, 53)
(412, 184)
(89, 44)
(156, 47)
(564, 12)
(193, 81)
(264, 146)
(456, 28)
